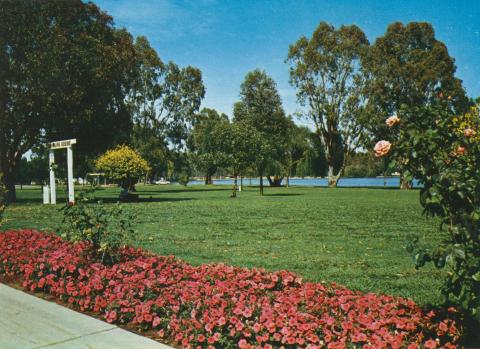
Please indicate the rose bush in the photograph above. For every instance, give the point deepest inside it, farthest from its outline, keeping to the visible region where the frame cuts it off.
(442, 152)
(107, 228)
(219, 306)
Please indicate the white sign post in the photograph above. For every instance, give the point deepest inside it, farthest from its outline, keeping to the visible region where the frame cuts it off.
(53, 189)
(46, 194)
(61, 145)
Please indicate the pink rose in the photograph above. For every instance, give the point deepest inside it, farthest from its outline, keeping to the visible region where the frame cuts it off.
(460, 151)
(382, 148)
(468, 132)
(392, 121)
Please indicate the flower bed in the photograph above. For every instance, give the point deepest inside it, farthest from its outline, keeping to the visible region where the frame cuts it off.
(219, 306)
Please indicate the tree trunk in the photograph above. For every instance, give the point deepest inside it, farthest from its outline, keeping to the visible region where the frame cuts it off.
(332, 179)
(276, 181)
(404, 184)
(261, 183)
(129, 183)
(234, 192)
(208, 178)
(241, 182)
(9, 182)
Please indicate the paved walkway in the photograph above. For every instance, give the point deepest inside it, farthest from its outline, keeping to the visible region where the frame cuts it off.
(28, 322)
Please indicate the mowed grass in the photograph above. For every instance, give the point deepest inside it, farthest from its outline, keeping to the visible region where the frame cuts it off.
(351, 236)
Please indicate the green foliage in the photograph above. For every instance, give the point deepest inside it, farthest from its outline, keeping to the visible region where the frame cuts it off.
(240, 147)
(364, 165)
(163, 100)
(446, 163)
(3, 199)
(408, 67)
(123, 165)
(65, 73)
(260, 106)
(183, 178)
(108, 228)
(298, 148)
(33, 170)
(152, 148)
(204, 151)
(335, 105)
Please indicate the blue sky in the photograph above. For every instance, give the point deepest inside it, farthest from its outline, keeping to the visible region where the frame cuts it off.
(227, 39)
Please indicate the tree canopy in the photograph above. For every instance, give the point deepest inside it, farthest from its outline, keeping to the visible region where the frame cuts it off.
(239, 146)
(164, 98)
(327, 73)
(204, 149)
(123, 165)
(261, 107)
(64, 73)
(409, 68)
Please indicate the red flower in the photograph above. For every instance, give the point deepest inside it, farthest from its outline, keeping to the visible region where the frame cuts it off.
(218, 304)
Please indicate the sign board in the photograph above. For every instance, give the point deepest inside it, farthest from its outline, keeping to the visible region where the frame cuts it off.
(62, 144)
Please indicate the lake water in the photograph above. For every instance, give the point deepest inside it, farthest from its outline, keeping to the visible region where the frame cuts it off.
(391, 182)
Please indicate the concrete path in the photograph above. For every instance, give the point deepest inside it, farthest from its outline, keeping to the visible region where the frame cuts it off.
(28, 322)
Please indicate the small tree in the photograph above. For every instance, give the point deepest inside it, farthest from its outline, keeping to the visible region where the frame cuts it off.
(108, 228)
(240, 146)
(297, 149)
(123, 165)
(201, 143)
(261, 106)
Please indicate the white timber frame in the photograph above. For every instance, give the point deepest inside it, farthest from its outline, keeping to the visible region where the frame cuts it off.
(62, 145)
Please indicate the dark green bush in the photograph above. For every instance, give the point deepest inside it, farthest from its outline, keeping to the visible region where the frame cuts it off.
(183, 178)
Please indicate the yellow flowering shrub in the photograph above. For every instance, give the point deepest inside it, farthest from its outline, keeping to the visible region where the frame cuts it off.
(123, 165)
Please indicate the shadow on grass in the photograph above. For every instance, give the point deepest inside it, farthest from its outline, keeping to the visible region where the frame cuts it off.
(284, 194)
(30, 201)
(110, 200)
(185, 190)
(107, 200)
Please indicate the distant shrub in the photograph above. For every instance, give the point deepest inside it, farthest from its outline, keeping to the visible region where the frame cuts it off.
(356, 171)
(183, 178)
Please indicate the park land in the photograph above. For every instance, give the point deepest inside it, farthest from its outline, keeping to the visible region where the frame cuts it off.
(352, 236)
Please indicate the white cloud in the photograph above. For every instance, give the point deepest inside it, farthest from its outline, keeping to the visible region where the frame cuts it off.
(162, 20)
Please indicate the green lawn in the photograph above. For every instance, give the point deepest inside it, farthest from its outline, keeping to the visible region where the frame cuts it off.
(354, 237)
